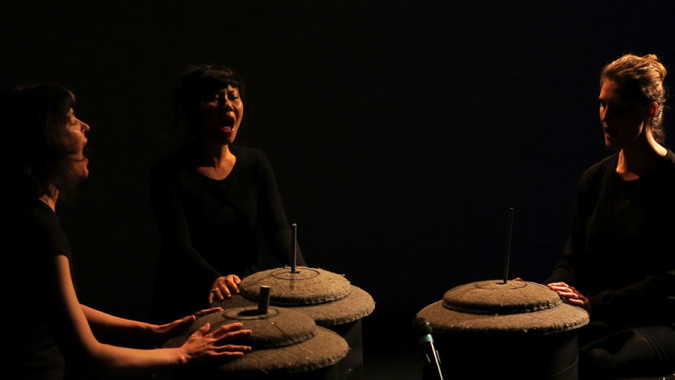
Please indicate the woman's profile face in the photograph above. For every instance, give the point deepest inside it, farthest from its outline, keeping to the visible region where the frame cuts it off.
(623, 120)
(76, 139)
(220, 115)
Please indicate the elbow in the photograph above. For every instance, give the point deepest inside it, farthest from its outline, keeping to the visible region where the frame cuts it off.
(87, 359)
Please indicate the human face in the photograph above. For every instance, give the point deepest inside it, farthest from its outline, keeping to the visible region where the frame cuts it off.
(623, 120)
(76, 138)
(220, 115)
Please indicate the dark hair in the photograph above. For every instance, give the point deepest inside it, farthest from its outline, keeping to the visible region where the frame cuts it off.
(641, 79)
(201, 82)
(36, 118)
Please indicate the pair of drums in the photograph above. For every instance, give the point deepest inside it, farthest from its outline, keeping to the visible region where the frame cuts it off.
(311, 330)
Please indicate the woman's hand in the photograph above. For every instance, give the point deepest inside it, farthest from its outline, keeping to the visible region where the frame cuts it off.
(203, 345)
(570, 295)
(176, 327)
(223, 287)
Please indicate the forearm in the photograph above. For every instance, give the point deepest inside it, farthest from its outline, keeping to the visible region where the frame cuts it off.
(123, 360)
(74, 325)
(109, 328)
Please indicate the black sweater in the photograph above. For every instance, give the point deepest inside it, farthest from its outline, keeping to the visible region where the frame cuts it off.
(36, 237)
(211, 228)
(621, 251)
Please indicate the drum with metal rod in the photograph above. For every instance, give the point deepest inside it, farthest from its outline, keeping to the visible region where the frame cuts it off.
(286, 344)
(506, 329)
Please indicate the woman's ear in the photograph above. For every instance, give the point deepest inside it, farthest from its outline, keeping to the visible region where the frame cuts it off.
(653, 108)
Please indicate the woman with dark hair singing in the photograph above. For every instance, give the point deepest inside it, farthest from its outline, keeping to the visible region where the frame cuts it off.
(216, 204)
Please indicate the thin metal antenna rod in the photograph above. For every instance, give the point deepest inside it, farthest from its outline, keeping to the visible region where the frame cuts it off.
(294, 246)
(507, 256)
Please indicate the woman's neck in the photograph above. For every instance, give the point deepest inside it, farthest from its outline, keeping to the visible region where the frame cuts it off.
(214, 154)
(216, 161)
(49, 198)
(640, 157)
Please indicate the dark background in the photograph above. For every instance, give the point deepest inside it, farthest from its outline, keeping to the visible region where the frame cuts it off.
(400, 131)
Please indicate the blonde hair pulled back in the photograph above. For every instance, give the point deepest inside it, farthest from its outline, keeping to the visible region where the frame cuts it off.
(641, 78)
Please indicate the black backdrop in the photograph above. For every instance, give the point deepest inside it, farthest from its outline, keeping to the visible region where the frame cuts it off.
(400, 131)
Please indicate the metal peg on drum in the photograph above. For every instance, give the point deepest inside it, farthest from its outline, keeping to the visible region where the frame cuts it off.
(264, 301)
(294, 247)
(507, 255)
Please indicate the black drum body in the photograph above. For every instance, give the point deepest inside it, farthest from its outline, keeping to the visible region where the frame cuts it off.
(542, 357)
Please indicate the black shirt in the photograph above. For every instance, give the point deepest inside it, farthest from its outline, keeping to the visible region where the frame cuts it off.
(37, 238)
(621, 251)
(212, 228)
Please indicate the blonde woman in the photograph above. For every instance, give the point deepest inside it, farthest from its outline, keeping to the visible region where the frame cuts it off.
(619, 262)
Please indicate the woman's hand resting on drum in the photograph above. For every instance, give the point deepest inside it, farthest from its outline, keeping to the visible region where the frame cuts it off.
(570, 295)
(224, 287)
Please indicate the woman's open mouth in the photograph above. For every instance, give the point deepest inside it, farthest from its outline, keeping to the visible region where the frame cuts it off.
(227, 125)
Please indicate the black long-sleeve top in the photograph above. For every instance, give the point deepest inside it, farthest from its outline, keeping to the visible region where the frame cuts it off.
(212, 228)
(36, 237)
(621, 251)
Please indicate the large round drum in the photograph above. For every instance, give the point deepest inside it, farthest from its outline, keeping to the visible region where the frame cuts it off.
(286, 344)
(329, 298)
(500, 329)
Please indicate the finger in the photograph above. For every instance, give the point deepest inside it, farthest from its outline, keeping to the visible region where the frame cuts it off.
(558, 284)
(217, 293)
(230, 336)
(230, 354)
(224, 291)
(231, 284)
(576, 301)
(229, 328)
(567, 294)
(202, 330)
(204, 312)
(233, 348)
(181, 323)
(186, 319)
(561, 290)
(221, 289)
(563, 286)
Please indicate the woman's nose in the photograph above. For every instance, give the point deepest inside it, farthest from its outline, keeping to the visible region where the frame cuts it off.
(85, 126)
(227, 105)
